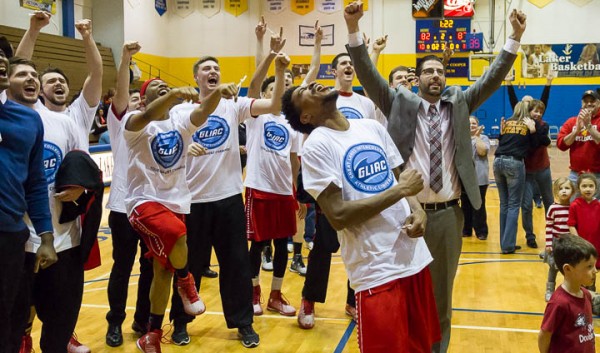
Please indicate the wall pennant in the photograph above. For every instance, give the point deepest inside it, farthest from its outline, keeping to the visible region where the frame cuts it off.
(302, 7)
(236, 7)
(275, 6)
(209, 8)
(160, 6)
(329, 6)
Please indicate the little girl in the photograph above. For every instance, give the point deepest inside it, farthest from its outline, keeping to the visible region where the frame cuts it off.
(556, 224)
(584, 213)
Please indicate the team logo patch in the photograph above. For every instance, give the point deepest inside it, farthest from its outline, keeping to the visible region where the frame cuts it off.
(213, 134)
(167, 148)
(350, 113)
(366, 168)
(52, 160)
(276, 136)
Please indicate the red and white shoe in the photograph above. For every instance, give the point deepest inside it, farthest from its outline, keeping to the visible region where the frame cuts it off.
(256, 301)
(192, 304)
(150, 342)
(278, 303)
(306, 315)
(75, 347)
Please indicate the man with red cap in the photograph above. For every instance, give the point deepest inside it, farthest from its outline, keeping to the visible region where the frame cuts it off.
(157, 196)
(581, 137)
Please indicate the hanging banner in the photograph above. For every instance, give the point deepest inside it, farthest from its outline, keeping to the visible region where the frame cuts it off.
(428, 8)
(183, 8)
(275, 6)
(458, 8)
(302, 7)
(209, 8)
(365, 4)
(541, 3)
(566, 60)
(160, 6)
(329, 6)
(42, 5)
(236, 7)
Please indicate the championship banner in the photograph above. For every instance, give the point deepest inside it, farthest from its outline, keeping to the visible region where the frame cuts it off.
(275, 6)
(209, 8)
(329, 6)
(459, 8)
(302, 7)
(42, 5)
(183, 8)
(428, 8)
(365, 4)
(160, 6)
(236, 7)
(566, 60)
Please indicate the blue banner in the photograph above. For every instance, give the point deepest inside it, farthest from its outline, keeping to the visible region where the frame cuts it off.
(160, 6)
(566, 60)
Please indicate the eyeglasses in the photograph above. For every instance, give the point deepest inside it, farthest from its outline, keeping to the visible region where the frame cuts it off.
(431, 71)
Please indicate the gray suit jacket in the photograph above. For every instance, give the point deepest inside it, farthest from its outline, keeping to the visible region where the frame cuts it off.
(401, 109)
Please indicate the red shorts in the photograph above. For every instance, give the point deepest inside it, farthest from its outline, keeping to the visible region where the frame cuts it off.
(160, 228)
(399, 316)
(269, 216)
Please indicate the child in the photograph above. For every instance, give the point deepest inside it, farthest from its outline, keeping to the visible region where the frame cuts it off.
(556, 224)
(584, 213)
(567, 325)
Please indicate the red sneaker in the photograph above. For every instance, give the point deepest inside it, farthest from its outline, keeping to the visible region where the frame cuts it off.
(150, 342)
(26, 344)
(192, 304)
(256, 301)
(306, 316)
(278, 303)
(75, 347)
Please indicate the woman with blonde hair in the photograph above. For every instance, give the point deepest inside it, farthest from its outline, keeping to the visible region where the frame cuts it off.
(517, 137)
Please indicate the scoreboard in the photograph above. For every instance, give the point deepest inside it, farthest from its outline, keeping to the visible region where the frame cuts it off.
(434, 35)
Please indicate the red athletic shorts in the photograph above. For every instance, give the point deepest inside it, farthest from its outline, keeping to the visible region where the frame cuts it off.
(160, 228)
(269, 216)
(399, 316)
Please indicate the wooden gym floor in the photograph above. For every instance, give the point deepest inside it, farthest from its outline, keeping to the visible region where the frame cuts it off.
(498, 301)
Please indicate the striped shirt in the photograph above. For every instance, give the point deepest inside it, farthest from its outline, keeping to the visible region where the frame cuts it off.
(556, 222)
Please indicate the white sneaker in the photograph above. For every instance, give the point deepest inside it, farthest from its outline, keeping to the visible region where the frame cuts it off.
(290, 247)
(310, 245)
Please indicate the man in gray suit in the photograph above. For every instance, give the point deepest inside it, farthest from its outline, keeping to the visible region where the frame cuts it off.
(431, 130)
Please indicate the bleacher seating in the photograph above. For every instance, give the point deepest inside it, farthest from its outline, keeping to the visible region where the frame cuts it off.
(67, 54)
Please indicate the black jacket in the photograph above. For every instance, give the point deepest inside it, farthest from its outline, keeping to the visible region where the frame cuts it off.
(79, 169)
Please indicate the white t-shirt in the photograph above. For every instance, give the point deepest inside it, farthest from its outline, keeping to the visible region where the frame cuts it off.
(218, 174)
(83, 116)
(60, 137)
(118, 184)
(156, 168)
(269, 141)
(355, 106)
(360, 161)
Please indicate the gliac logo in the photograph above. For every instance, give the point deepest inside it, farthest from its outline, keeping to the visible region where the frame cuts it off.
(350, 113)
(167, 147)
(276, 136)
(366, 168)
(52, 160)
(214, 134)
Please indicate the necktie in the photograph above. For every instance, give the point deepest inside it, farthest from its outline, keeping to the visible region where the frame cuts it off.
(435, 150)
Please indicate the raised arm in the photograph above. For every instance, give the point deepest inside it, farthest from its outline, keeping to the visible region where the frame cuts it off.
(375, 85)
(37, 21)
(92, 87)
(260, 30)
(510, 89)
(273, 105)
(158, 108)
(315, 63)
(346, 213)
(378, 46)
(487, 84)
(121, 98)
(210, 103)
(546, 92)
(277, 43)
